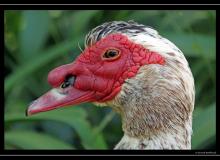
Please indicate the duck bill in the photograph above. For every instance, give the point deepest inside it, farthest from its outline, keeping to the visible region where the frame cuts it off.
(54, 99)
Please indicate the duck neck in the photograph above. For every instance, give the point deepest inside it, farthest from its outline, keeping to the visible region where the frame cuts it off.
(154, 132)
(156, 111)
(180, 139)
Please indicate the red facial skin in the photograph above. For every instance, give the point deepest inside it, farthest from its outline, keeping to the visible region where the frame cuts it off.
(98, 79)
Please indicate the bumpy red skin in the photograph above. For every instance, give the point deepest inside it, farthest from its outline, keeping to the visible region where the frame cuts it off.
(104, 77)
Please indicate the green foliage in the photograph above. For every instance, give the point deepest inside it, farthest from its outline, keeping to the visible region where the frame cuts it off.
(31, 140)
(204, 126)
(86, 133)
(38, 41)
(28, 34)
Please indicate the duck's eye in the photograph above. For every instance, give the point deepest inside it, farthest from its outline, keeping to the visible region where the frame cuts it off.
(69, 81)
(111, 54)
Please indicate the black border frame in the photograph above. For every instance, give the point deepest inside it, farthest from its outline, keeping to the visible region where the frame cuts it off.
(110, 7)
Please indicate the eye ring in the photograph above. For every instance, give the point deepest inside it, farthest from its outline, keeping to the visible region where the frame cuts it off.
(111, 54)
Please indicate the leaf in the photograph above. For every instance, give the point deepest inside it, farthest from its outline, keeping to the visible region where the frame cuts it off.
(81, 20)
(36, 63)
(194, 45)
(33, 36)
(183, 19)
(149, 15)
(31, 140)
(204, 126)
(73, 116)
(104, 122)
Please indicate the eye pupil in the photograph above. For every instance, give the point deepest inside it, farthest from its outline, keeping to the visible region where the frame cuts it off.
(111, 53)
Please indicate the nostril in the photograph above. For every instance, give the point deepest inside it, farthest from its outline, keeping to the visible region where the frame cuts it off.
(69, 81)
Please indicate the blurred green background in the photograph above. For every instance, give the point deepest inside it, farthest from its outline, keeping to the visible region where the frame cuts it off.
(38, 41)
